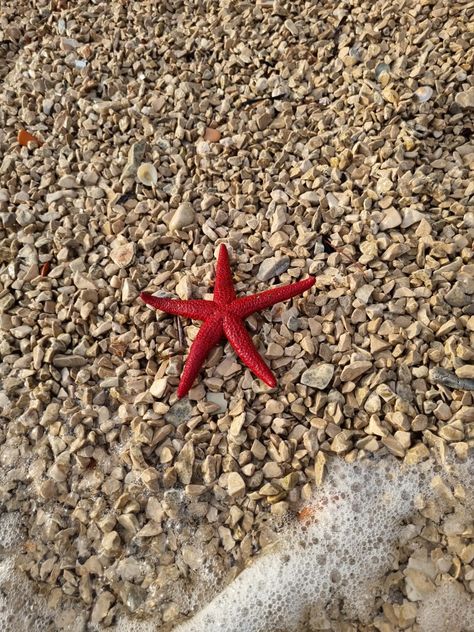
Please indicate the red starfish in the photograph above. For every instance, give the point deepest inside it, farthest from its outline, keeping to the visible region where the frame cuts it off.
(223, 316)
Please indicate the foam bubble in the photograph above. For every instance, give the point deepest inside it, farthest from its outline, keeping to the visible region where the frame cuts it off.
(125, 624)
(10, 530)
(19, 609)
(449, 607)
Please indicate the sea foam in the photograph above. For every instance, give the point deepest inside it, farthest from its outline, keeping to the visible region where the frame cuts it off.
(336, 559)
(327, 567)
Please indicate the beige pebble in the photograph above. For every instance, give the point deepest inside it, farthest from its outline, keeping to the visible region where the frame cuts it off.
(184, 463)
(373, 403)
(418, 585)
(272, 470)
(364, 293)
(192, 556)
(227, 368)
(72, 360)
(410, 217)
(258, 450)
(102, 606)
(158, 387)
(151, 478)
(354, 370)
(391, 219)
(219, 400)
(111, 542)
(465, 371)
(182, 217)
(416, 454)
(451, 433)
(310, 198)
(264, 120)
(235, 484)
(290, 481)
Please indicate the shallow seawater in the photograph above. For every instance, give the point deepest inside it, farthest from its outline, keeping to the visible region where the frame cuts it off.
(338, 557)
(328, 567)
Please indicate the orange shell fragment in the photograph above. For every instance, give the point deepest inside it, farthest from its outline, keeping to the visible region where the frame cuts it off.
(212, 135)
(25, 137)
(305, 514)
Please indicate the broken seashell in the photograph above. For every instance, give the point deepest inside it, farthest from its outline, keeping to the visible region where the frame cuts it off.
(147, 174)
(212, 135)
(424, 93)
(122, 252)
(25, 137)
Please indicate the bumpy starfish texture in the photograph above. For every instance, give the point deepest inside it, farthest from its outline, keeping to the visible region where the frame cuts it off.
(224, 316)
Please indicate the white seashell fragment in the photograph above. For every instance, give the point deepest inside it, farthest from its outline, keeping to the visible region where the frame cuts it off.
(147, 174)
(424, 93)
(122, 252)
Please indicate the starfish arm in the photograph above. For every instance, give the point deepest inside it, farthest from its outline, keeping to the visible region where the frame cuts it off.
(208, 336)
(242, 344)
(246, 305)
(224, 292)
(196, 309)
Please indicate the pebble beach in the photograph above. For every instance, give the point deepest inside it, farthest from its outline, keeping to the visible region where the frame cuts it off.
(327, 139)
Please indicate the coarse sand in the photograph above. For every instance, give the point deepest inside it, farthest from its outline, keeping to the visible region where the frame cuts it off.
(327, 138)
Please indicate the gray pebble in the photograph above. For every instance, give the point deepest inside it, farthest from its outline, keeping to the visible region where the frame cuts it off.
(457, 297)
(273, 267)
(318, 376)
(179, 413)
